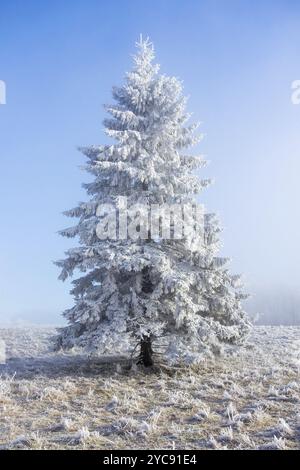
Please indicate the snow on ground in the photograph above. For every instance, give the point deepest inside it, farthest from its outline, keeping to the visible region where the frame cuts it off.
(249, 400)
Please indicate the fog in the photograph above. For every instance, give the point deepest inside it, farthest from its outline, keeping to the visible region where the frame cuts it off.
(275, 306)
(237, 61)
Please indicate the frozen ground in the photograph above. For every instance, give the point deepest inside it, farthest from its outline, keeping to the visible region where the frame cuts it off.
(245, 401)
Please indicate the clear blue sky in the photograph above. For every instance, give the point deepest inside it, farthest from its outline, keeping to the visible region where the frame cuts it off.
(59, 60)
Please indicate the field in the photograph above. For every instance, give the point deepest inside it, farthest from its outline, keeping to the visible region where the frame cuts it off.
(247, 400)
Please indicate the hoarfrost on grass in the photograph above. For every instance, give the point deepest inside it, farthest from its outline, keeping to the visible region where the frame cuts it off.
(65, 401)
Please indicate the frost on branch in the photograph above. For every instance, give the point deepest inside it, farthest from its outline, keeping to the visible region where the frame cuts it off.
(148, 290)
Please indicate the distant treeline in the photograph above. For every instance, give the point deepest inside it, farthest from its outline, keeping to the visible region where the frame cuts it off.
(277, 306)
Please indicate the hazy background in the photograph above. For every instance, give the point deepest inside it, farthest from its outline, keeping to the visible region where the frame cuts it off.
(237, 60)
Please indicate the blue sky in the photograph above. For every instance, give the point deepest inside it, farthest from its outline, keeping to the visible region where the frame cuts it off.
(59, 60)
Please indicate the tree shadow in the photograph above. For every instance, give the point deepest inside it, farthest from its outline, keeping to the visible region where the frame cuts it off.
(63, 365)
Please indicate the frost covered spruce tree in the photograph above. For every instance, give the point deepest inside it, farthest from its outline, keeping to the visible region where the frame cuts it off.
(140, 288)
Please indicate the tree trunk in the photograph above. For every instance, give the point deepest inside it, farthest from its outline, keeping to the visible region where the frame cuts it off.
(146, 351)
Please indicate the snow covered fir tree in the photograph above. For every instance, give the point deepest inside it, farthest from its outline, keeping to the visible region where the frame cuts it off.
(142, 292)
